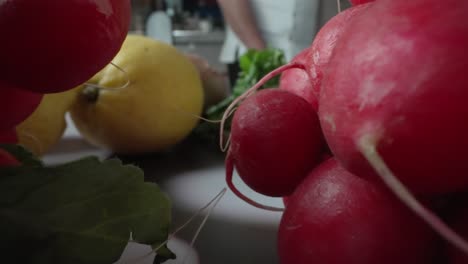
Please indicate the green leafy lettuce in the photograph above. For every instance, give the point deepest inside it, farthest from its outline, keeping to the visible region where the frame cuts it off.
(254, 64)
(83, 211)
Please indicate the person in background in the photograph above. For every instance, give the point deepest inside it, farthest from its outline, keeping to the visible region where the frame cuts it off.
(289, 25)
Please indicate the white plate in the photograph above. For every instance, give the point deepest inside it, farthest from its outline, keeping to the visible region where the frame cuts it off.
(136, 253)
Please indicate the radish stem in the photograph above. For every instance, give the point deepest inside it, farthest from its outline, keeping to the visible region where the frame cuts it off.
(247, 93)
(367, 146)
(229, 173)
(97, 88)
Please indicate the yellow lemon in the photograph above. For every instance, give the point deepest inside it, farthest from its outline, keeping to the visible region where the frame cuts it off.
(45, 126)
(147, 100)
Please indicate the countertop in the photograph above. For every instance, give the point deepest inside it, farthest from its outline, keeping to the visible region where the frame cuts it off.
(192, 174)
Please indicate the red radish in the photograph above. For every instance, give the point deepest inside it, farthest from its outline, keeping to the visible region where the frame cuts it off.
(275, 140)
(298, 81)
(16, 105)
(336, 217)
(315, 58)
(50, 45)
(8, 136)
(307, 62)
(394, 101)
(323, 157)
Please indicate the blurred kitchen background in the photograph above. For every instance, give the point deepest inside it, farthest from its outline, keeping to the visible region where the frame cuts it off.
(195, 26)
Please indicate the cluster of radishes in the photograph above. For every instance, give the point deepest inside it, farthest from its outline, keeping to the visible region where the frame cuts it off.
(365, 137)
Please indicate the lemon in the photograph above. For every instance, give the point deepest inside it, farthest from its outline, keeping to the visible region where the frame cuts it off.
(46, 125)
(147, 100)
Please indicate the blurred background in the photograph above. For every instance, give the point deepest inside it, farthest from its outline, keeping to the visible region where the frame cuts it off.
(196, 26)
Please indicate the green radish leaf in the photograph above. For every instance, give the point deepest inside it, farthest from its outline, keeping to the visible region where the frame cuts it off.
(83, 211)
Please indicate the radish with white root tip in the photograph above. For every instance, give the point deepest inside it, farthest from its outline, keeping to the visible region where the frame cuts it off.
(394, 102)
(270, 175)
(275, 141)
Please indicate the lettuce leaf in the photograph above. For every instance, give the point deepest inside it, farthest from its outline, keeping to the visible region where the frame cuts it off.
(83, 211)
(254, 64)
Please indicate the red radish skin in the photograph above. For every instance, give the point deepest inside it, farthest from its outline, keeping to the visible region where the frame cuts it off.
(324, 44)
(335, 217)
(325, 156)
(413, 110)
(297, 81)
(8, 136)
(395, 100)
(58, 45)
(16, 105)
(275, 140)
(307, 84)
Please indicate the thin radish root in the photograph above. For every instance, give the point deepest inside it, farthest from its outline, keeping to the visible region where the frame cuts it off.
(93, 88)
(125, 85)
(91, 91)
(213, 202)
(187, 113)
(367, 146)
(229, 111)
(225, 147)
(229, 173)
(210, 210)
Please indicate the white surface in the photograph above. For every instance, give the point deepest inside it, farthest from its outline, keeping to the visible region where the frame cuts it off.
(192, 175)
(136, 253)
(193, 189)
(72, 146)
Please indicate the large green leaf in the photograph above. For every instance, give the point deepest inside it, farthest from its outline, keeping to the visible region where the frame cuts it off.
(79, 212)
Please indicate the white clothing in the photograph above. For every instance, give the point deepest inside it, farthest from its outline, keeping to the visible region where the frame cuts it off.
(289, 25)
